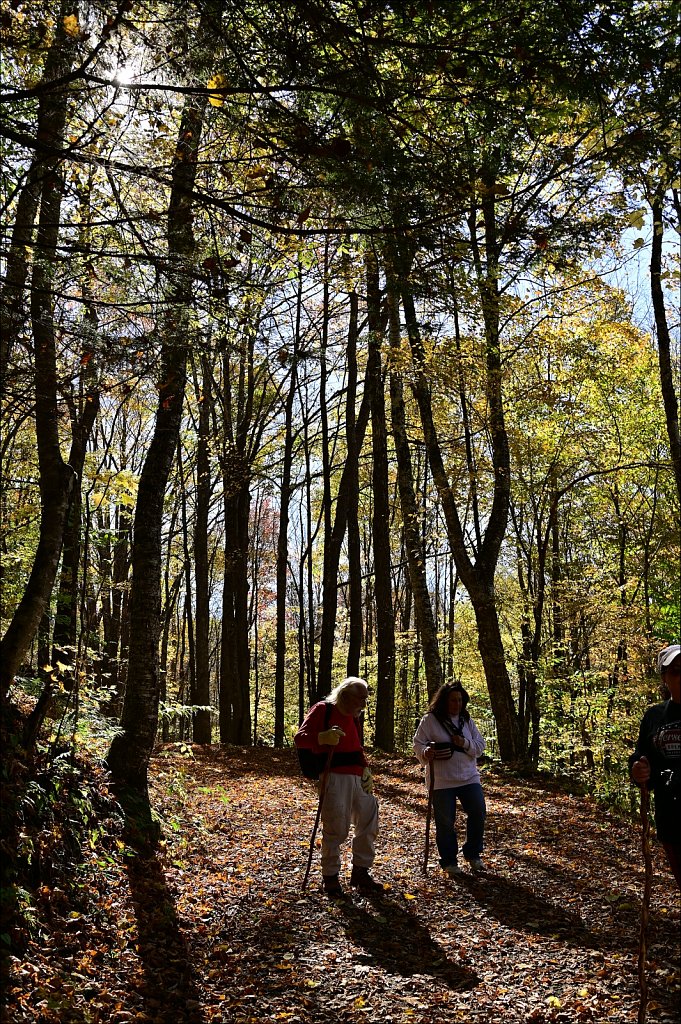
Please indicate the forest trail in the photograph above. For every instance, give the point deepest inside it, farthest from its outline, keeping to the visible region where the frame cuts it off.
(214, 926)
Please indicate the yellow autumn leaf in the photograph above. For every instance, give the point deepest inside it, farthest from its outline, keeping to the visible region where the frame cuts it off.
(636, 218)
(554, 1001)
(216, 82)
(71, 26)
(408, 896)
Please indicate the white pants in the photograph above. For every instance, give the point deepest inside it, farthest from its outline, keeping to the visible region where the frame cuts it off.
(345, 803)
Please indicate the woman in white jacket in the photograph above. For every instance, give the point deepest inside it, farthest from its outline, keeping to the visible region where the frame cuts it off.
(448, 743)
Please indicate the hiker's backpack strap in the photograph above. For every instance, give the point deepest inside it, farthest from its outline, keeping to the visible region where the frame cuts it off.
(312, 765)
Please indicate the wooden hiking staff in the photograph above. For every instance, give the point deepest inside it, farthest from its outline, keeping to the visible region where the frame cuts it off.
(431, 785)
(645, 905)
(322, 791)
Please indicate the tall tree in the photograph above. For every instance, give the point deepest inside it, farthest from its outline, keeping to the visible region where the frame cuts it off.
(130, 749)
(58, 476)
(385, 621)
(413, 541)
(202, 724)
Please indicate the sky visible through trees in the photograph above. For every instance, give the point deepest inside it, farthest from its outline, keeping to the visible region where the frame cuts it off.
(339, 339)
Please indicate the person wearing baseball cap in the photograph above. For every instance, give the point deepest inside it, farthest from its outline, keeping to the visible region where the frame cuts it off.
(656, 761)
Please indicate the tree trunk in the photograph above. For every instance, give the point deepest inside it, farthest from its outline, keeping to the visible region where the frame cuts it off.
(413, 542)
(57, 478)
(333, 545)
(235, 704)
(282, 539)
(131, 749)
(188, 596)
(476, 575)
(385, 622)
(202, 729)
(115, 603)
(406, 713)
(65, 629)
(669, 396)
(354, 547)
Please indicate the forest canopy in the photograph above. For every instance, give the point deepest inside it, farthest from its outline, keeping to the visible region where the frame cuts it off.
(339, 339)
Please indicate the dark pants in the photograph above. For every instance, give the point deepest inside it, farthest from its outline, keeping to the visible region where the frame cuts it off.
(673, 851)
(472, 801)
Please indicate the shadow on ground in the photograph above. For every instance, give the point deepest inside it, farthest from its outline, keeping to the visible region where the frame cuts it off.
(169, 991)
(397, 942)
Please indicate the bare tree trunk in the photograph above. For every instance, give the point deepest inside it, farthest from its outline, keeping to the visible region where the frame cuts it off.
(413, 542)
(235, 709)
(131, 749)
(354, 552)
(404, 711)
(669, 396)
(188, 596)
(282, 540)
(332, 551)
(65, 630)
(478, 574)
(57, 478)
(385, 623)
(202, 729)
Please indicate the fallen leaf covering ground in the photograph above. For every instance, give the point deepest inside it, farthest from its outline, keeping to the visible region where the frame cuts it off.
(214, 927)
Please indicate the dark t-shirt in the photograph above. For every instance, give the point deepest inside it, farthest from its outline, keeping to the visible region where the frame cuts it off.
(659, 739)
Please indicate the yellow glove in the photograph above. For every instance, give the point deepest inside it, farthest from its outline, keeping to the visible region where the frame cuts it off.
(367, 781)
(330, 737)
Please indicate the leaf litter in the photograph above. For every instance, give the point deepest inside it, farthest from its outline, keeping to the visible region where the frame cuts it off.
(214, 927)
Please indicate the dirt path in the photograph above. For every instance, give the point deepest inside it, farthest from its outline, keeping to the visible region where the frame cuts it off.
(214, 927)
(548, 933)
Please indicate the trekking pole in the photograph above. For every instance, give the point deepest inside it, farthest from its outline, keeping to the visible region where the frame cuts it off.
(645, 905)
(431, 786)
(322, 790)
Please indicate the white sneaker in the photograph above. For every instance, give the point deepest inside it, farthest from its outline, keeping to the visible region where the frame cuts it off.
(452, 869)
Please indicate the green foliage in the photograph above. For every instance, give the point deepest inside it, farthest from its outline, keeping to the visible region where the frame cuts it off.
(57, 809)
(174, 711)
(332, 127)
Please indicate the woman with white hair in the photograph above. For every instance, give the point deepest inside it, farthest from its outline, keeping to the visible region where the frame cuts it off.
(331, 727)
(656, 761)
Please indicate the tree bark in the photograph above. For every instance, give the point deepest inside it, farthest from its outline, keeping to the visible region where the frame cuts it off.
(669, 396)
(282, 539)
(235, 703)
(413, 542)
(354, 547)
(131, 749)
(333, 545)
(385, 622)
(477, 574)
(57, 477)
(202, 726)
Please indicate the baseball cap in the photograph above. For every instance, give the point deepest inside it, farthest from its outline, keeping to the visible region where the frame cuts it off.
(667, 655)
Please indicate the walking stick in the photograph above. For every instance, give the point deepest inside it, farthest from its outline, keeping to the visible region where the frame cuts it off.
(645, 905)
(322, 791)
(431, 784)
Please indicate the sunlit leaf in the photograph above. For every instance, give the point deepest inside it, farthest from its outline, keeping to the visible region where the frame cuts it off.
(216, 82)
(71, 26)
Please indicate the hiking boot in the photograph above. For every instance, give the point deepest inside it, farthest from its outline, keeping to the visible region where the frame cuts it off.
(332, 887)
(475, 864)
(452, 869)
(363, 881)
